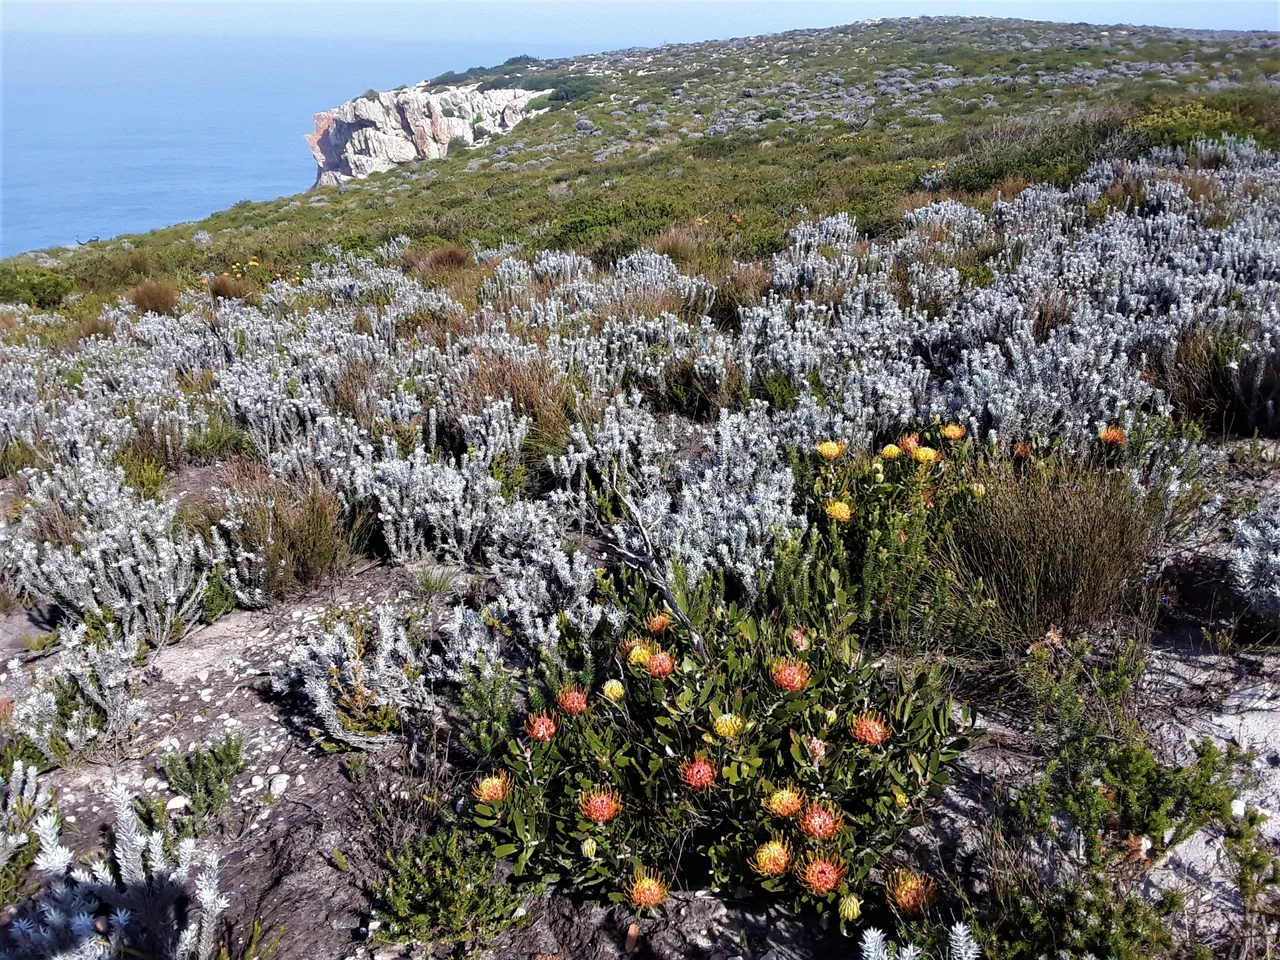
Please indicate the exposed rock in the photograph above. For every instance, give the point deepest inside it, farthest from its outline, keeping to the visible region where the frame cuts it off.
(371, 134)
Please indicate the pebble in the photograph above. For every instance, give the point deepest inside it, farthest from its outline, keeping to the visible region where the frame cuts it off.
(257, 781)
(176, 804)
(279, 783)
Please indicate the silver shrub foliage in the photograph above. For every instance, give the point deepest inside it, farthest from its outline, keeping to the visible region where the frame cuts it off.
(129, 559)
(1255, 561)
(335, 667)
(143, 888)
(960, 946)
(865, 338)
(21, 800)
(97, 675)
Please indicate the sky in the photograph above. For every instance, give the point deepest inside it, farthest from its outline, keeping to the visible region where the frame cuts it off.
(591, 25)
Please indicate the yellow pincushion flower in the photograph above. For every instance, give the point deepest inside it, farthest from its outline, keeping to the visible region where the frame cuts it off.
(925, 455)
(891, 451)
(771, 859)
(613, 690)
(784, 802)
(728, 725)
(953, 431)
(492, 789)
(640, 655)
(839, 511)
(831, 449)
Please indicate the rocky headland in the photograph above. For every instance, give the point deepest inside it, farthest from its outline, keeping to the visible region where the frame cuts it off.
(374, 132)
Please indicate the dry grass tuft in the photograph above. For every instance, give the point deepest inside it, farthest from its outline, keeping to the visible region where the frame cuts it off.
(300, 531)
(1057, 544)
(436, 262)
(230, 288)
(153, 296)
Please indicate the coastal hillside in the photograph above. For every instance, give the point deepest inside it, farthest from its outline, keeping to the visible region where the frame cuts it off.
(802, 496)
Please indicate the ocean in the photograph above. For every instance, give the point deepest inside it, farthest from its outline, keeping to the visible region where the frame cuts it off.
(105, 135)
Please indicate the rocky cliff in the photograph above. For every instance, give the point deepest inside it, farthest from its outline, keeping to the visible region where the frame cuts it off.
(374, 133)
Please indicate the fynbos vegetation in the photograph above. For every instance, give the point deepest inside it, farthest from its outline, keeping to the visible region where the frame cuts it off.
(793, 518)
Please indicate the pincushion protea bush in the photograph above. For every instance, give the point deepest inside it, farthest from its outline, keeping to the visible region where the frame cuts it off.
(712, 773)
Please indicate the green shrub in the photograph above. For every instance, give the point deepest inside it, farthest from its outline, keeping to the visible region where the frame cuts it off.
(1105, 806)
(37, 286)
(219, 598)
(216, 441)
(441, 891)
(142, 473)
(1180, 123)
(16, 457)
(204, 777)
(487, 704)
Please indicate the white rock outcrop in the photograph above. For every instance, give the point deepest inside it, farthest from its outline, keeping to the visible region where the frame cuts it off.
(371, 134)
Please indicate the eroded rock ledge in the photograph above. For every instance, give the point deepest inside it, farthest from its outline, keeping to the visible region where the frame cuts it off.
(371, 134)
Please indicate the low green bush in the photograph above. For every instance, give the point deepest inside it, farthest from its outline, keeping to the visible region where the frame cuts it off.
(441, 891)
(36, 286)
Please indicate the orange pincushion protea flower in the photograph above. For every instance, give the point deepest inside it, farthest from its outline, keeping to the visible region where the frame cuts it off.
(1022, 450)
(491, 789)
(1112, 436)
(698, 773)
(820, 874)
(820, 822)
(789, 674)
(909, 891)
(661, 664)
(600, 805)
(953, 431)
(572, 700)
(646, 889)
(540, 727)
(831, 449)
(909, 442)
(658, 623)
(869, 729)
(771, 859)
(784, 802)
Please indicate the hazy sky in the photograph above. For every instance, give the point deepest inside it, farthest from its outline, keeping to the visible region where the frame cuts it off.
(586, 25)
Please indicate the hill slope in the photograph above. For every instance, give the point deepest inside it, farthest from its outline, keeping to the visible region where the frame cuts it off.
(800, 516)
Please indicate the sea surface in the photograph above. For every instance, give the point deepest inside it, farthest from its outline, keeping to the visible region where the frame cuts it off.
(105, 135)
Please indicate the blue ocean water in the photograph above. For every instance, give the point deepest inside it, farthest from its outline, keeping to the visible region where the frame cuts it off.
(121, 134)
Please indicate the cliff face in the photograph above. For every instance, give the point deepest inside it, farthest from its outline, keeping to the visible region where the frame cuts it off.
(368, 135)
